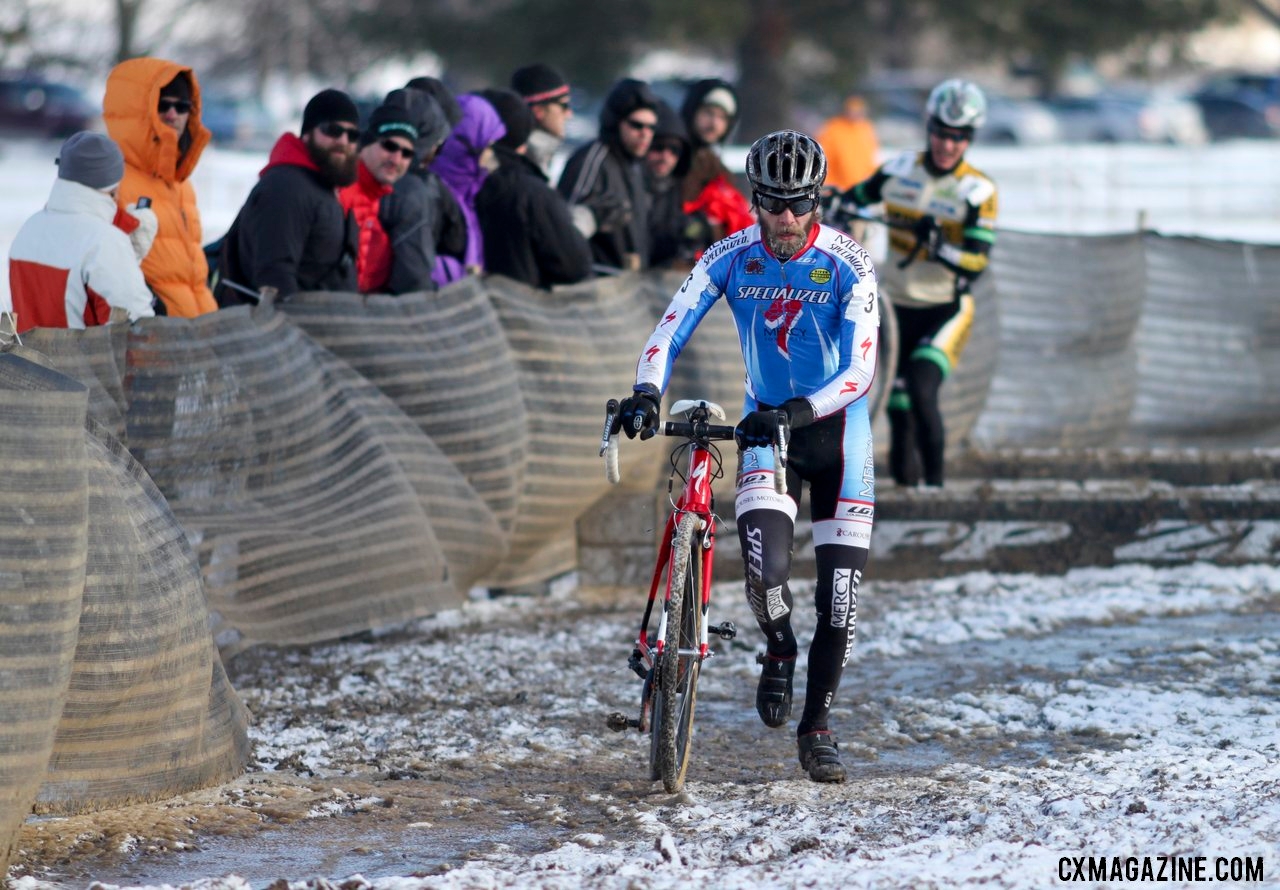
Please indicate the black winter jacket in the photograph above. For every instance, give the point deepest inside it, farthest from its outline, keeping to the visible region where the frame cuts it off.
(447, 226)
(291, 233)
(527, 229)
(602, 177)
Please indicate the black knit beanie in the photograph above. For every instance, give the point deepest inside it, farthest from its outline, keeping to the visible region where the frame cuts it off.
(539, 83)
(390, 120)
(326, 106)
(514, 113)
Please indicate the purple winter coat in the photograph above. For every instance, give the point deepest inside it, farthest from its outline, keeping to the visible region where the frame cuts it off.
(458, 164)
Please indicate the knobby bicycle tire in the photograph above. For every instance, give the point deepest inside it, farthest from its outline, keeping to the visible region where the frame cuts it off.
(679, 666)
(887, 358)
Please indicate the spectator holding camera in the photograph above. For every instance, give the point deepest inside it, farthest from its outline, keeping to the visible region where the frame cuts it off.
(69, 265)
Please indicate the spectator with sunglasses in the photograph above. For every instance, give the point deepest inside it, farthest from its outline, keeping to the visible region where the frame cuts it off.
(387, 150)
(672, 241)
(944, 215)
(603, 181)
(292, 234)
(152, 111)
(547, 94)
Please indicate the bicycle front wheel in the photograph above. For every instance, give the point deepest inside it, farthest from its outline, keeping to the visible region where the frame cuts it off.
(676, 682)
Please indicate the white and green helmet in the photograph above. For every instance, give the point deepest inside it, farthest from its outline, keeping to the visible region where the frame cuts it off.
(957, 103)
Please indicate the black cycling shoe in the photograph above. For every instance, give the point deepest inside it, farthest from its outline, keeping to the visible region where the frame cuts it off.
(820, 756)
(773, 694)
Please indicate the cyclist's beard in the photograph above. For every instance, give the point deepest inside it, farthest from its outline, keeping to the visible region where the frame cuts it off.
(785, 241)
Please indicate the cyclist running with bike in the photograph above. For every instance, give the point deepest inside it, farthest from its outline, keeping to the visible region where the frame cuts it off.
(803, 296)
(942, 214)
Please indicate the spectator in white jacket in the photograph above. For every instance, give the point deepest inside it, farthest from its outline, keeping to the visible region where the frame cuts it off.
(72, 262)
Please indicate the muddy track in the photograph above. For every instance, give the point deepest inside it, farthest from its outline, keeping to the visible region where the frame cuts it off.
(417, 751)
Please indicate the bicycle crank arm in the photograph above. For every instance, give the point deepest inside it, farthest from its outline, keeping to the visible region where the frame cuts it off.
(619, 722)
(725, 631)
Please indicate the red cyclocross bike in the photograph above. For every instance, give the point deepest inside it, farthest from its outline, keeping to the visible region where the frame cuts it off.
(670, 659)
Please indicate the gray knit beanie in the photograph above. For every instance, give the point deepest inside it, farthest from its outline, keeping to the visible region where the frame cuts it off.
(91, 159)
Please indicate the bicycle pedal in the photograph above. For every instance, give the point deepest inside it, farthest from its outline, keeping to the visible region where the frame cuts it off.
(726, 630)
(619, 722)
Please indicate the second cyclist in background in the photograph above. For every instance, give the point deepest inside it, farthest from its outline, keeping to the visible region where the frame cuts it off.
(804, 299)
(943, 213)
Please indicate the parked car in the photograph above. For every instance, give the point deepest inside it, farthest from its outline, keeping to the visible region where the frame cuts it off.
(1129, 116)
(237, 122)
(1241, 106)
(30, 105)
(897, 107)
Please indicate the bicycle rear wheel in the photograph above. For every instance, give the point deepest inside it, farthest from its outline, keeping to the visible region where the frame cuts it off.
(676, 677)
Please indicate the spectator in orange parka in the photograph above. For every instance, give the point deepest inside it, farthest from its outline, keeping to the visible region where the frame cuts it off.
(152, 111)
(849, 141)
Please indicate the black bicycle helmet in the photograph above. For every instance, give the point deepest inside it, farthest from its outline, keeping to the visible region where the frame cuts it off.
(786, 164)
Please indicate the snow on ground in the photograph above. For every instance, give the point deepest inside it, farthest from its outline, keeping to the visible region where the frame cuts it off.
(993, 725)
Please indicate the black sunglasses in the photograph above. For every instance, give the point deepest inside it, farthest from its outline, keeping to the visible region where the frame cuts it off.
(639, 125)
(182, 106)
(395, 147)
(335, 130)
(777, 206)
(954, 134)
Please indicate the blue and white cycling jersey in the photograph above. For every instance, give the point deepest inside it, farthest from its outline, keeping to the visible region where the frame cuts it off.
(808, 327)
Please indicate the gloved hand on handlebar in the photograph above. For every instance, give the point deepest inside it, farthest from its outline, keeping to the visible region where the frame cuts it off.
(928, 235)
(638, 413)
(760, 428)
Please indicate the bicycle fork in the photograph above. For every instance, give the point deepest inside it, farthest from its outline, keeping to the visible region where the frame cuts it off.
(644, 656)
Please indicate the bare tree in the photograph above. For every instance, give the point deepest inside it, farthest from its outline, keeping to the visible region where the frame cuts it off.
(127, 15)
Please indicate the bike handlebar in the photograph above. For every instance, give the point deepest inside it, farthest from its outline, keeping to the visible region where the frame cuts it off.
(684, 430)
(695, 431)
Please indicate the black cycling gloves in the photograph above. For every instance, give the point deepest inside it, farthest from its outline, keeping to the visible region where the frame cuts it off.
(760, 428)
(928, 235)
(638, 413)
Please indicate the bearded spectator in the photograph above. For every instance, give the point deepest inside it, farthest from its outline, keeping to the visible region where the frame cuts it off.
(291, 234)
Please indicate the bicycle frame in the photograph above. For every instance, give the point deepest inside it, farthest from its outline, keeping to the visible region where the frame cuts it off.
(695, 498)
(685, 558)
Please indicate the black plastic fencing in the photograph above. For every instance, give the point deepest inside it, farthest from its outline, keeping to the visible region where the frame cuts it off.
(299, 473)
